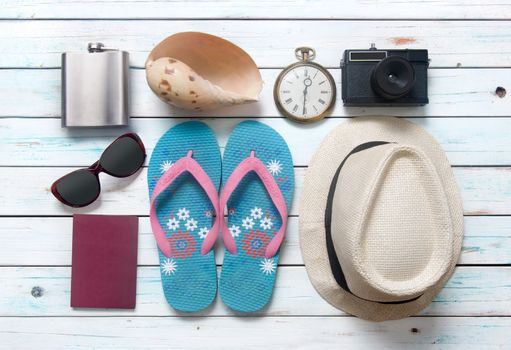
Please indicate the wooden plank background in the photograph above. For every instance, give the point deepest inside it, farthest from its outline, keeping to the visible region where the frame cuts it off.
(470, 49)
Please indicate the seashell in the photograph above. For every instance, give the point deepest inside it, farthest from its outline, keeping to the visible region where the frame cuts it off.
(199, 71)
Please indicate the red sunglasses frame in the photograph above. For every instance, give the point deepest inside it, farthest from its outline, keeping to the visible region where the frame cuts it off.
(96, 169)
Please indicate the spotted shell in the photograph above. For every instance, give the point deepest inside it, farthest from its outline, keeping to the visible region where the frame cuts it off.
(199, 71)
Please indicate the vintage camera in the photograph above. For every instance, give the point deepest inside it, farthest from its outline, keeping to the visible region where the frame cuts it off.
(385, 77)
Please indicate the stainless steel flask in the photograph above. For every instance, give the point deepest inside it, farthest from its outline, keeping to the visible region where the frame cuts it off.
(95, 87)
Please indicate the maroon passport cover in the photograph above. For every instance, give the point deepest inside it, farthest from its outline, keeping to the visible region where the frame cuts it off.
(104, 265)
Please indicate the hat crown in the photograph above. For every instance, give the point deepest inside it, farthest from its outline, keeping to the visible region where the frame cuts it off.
(389, 226)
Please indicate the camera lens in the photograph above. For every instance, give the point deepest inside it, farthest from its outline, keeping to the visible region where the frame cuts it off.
(393, 77)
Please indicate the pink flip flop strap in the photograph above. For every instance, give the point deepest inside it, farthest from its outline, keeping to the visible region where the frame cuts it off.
(190, 165)
(254, 164)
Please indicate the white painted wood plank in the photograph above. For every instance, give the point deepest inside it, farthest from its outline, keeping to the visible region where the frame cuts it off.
(452, 92)
(472, 291)
(42, 142)
(326, 9)
(39, 44)
(26, 192)
(487, 240)
(226, 333)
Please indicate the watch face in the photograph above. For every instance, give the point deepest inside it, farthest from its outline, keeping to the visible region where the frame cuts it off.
(305, 92)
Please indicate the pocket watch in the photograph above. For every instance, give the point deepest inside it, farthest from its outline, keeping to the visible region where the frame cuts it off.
(304, 91)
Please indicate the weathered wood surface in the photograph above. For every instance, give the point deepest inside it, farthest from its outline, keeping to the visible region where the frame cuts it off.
(487, 241)
(26, 192)
(452, 92)
(225, 333)
(470, 49)
(44, 291)
(236, 9)
(39, 44)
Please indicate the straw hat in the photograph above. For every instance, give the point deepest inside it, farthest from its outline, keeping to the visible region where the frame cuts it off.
(381, 220)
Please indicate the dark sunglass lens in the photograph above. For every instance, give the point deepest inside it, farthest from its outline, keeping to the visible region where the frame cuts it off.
(78, 188)
(123, 157)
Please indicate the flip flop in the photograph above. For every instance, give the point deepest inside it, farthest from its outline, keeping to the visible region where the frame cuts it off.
(258, 194)
(184, 178)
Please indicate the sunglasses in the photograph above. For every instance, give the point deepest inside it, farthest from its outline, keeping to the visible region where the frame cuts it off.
(81, 187)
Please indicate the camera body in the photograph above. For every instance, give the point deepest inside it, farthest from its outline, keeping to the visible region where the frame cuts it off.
(385, 77)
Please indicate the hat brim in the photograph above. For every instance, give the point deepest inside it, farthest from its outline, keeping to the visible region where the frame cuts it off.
(323, 165)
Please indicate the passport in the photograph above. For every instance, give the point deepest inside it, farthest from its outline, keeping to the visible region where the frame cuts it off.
(104, 261)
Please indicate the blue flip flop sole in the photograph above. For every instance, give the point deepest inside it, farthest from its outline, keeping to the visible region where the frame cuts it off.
(247, 278)
(186, 215)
